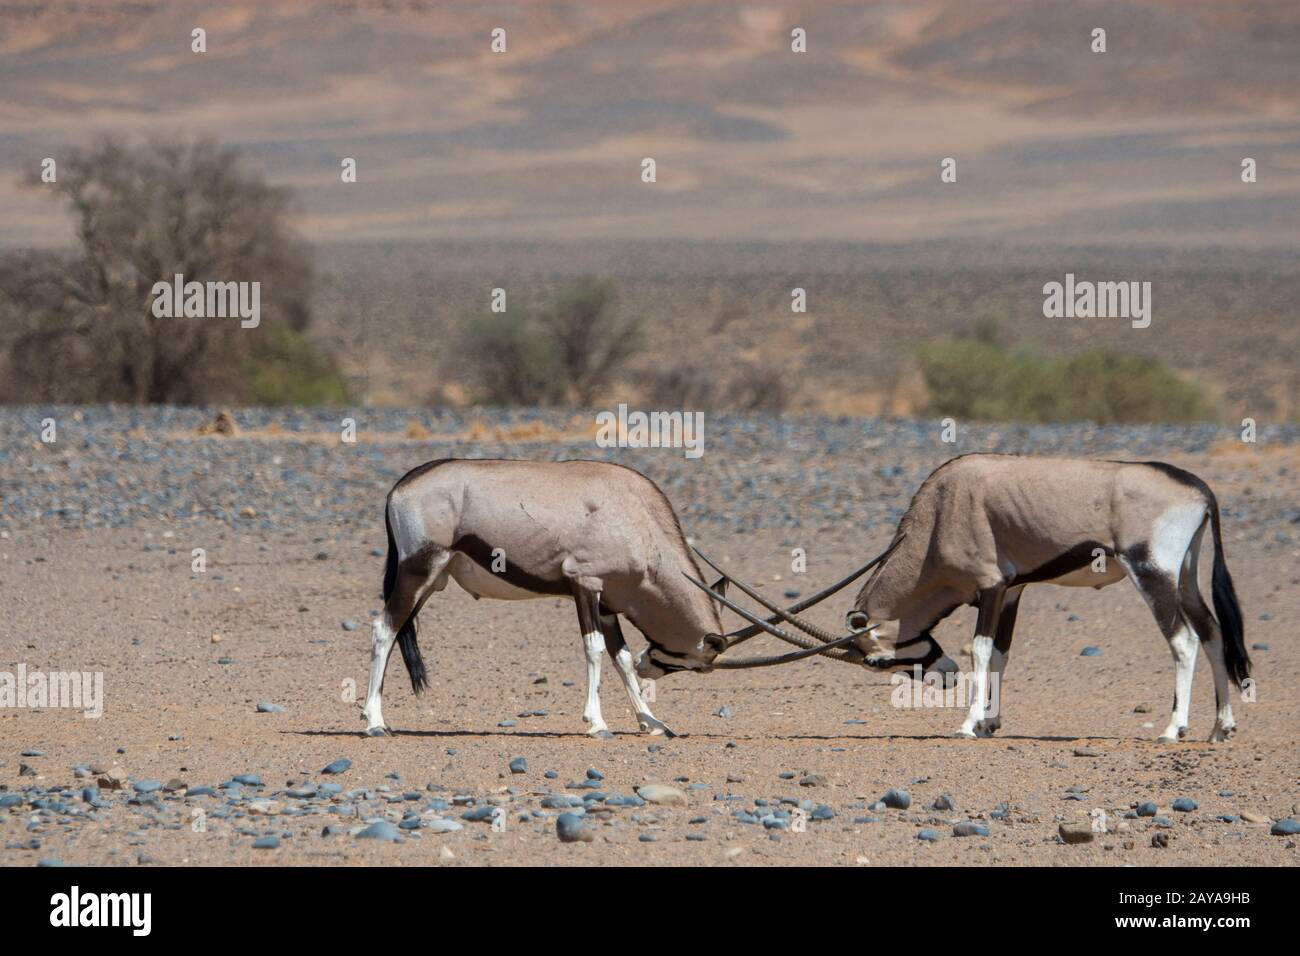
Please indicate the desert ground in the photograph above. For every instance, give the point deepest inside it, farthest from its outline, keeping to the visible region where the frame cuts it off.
(97, 532)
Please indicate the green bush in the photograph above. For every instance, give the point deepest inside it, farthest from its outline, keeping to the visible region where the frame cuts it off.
(978, 379)
(566, 352)
(514, 362)
(287, 369)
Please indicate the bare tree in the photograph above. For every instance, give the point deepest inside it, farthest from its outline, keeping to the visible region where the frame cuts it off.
(594, 341)
(78, 325)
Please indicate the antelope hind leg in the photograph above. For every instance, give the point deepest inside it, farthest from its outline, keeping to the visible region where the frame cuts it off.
(593, 641)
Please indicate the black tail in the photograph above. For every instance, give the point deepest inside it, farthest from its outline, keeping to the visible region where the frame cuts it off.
(406, 632)
(1226, 608)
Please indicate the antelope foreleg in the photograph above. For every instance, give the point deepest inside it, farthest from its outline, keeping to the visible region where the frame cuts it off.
(986, 628)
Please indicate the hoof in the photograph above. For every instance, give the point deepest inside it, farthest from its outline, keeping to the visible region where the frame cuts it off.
(966, 734)
(601, 734)
(378, 732)
(987, 728)
(655, 728)
(1219, 734)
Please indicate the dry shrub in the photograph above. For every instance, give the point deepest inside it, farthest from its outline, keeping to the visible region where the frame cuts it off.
(741, 386)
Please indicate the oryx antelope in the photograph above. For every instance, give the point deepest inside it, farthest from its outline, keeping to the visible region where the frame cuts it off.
(599, 533)
(983, 527)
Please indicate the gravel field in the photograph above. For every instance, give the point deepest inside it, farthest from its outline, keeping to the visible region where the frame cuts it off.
(247, 669)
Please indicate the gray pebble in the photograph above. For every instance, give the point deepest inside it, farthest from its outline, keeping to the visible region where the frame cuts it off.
(572, 828)
(896, 799)
(381, 830)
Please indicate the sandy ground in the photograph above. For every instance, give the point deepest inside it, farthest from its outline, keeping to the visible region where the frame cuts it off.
(125, 602)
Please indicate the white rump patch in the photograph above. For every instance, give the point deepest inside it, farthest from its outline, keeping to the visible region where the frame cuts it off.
(1171, 535)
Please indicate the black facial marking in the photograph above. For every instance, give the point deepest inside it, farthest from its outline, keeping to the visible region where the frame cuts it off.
(925, 634)
(657, 655)
(933, 655)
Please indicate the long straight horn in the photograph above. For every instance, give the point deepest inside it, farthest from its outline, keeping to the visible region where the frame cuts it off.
(772, 629)
(824, 636)
(744, 634)
(824, 650)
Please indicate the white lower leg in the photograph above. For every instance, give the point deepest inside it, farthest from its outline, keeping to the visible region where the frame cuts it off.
(381, 645)
(1183, 645)
(993, 700)
(981, 654)
(594, 643)
(647, 721)
(1224, 724)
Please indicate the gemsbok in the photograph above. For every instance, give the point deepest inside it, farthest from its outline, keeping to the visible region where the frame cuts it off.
(597, 532)
(981, 528)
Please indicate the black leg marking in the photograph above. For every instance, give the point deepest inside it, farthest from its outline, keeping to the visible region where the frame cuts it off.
(613, 631)
(589, 620)
(1002, 647)
(1007, 623)
(989, 601)
(588, 605)
(1161, 591)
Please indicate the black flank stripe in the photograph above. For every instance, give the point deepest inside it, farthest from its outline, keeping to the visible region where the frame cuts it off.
(480, 552)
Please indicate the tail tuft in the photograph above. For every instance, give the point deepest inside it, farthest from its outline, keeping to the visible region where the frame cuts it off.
(1226, 608)
(411, 656)
(406, 633)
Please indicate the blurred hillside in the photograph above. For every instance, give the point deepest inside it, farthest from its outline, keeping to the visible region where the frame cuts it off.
(1055, 144)
(393, 313)
(775, 170)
